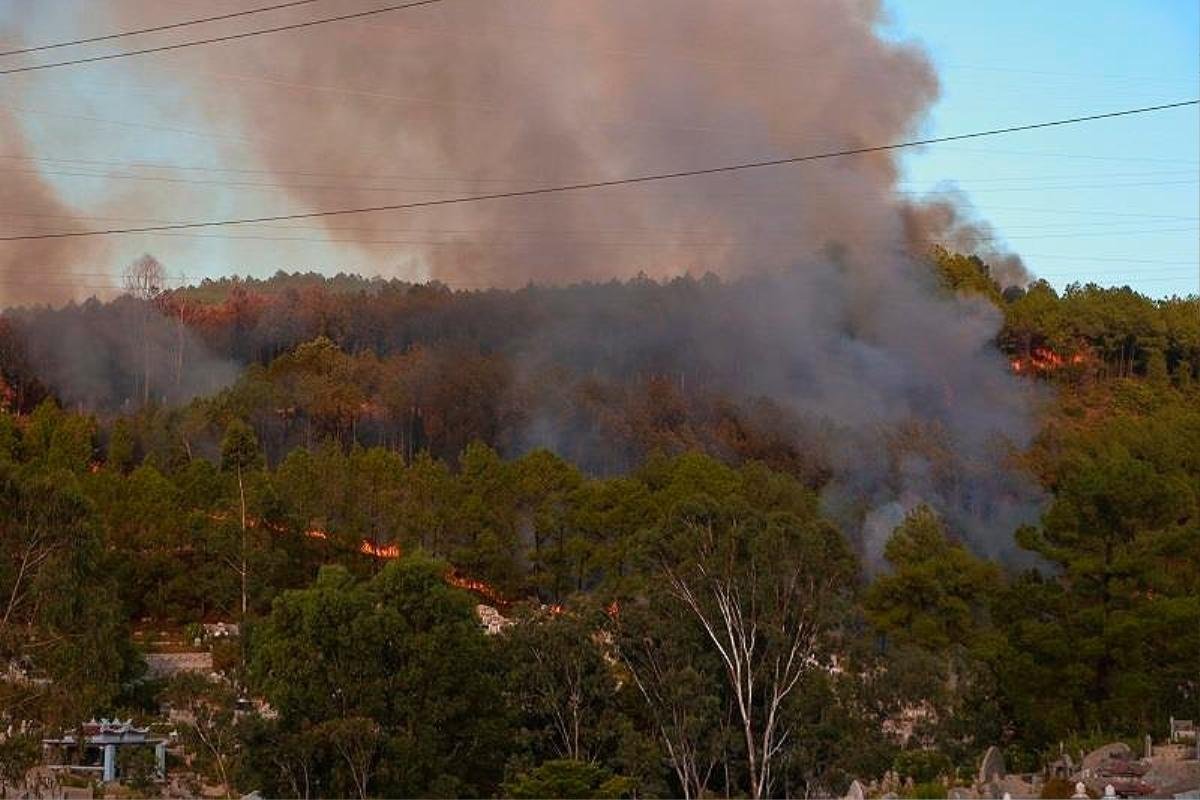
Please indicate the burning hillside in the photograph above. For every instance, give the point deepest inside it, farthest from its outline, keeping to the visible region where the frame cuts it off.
(828, 311)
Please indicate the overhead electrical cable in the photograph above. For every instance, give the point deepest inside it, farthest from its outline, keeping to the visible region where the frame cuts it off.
(636, 179)
(217, 39)
(1110, 227)
(484, 104)
(98, 164)
(1033, 183)
(156, 28)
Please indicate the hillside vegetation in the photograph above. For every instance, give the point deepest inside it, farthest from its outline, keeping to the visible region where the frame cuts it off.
(348, 467)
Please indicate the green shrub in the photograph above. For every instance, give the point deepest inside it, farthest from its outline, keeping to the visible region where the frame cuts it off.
(566, 778)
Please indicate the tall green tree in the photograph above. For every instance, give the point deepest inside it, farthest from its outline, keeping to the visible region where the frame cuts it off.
(59, 611)
(1122, 531)
(402, 650)
(934, 608)
(937, 593)
(562, 682)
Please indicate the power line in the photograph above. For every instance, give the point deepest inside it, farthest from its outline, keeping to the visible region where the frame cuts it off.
(150, 126)
(156, 28)
(1083, 156)
(491, 237)
(656, 49)
(83, 163)
(1069, 187)
(1117, 259)
(498, 105)
(1104, 280)
(1133, 279)
(639, 179)
(494, 105)
(1036, 180)
(6, 213)
(541, 234)
(1091, 273)
(443, 179)
(216, 39)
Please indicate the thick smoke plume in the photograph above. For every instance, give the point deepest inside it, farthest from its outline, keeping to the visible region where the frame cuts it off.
(470, 97)
(951, 221)
(836, 318)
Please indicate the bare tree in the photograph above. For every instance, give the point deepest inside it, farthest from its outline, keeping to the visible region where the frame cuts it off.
(760, 592)
(145, 280)
(679, 696)
(175, 304)
(36, 524)
(358, 741)
(239, 452)
(176, 307)
(206, 722)
(563, 677)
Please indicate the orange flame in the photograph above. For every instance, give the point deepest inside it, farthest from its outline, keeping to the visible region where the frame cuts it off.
(388, 551)
(366, 547)
(476, 586)
(1043, 359)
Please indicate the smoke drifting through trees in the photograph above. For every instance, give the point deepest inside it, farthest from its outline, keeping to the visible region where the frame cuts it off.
(919, 399)
(837, 322)
(114, 356)
(881, 425)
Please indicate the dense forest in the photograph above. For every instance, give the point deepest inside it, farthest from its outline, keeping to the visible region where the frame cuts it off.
(347, 468)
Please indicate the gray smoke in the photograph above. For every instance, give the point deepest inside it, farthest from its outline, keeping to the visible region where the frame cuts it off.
(467, 97)
(100, 356)
(951, 221)
(897, 386)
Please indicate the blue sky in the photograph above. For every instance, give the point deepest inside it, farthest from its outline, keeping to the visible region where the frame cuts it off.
(1114, 201)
